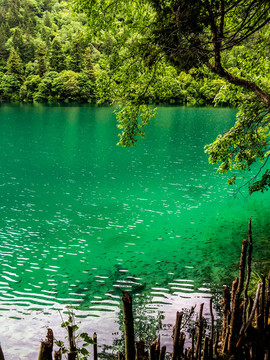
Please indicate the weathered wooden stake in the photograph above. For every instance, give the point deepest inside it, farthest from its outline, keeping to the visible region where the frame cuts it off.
(163, 353)
(234, 323)
(193, 344)
(121, 356)
(205, 348)
(72, 345)
(176, 334)
(58, 355)
(244, 316)
(157, 349)
(182, 339)
(1, 354)
(199, 333)
(95, 354)
(216, 344)
(46, 347)
(140, 349)
(153, 350)
(128, 326)
(267, 303)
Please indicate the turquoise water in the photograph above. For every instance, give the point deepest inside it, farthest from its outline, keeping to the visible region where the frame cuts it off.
(83, 219)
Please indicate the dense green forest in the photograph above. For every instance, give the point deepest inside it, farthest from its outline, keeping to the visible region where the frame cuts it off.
(48, 54)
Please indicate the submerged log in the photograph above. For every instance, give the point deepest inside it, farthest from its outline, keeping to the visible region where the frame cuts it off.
(128, 326)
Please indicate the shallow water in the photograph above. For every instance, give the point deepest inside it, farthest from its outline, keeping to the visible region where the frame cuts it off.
(83, 219)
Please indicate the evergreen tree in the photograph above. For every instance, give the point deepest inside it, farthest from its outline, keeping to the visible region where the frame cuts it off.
(88, 67)
(75, 57)
(18, 42)
(28, 49)
(46, 19)
(15, 65)
(47, 5)
(41, 60)
(57, 57)
(3, 51)
(13, 16)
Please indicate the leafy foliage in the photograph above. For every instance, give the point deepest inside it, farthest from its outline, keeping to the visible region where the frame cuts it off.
(224, 39)
(81, 340)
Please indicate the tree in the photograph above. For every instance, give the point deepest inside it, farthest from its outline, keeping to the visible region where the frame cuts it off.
(88, 66)
(41, 60)
(15, 65)
(198, 33)
(57, 57)
(75, 56)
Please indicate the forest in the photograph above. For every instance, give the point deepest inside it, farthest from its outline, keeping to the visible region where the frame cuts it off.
(49, 54)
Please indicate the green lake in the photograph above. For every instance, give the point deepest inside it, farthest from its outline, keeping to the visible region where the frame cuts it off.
(83, 219)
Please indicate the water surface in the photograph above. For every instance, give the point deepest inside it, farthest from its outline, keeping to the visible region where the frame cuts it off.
(83, 219)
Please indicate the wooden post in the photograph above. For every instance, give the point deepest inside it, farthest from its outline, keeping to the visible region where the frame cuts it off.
(235, 309)
(211, 340)
(157, 348)
(182, 339)
(176, 334)
(193, 344)
(216, 344)
(1, 354)
(58, 355)
(46, 347)
(199, 333)
(163, 353)
(128, 327)
(205, 348)
(140, 349)
(153, 350)
(121, 356)
(95, 354)
(72, 355)
(248, 323)
(260, 320)
(225, 310)
(267, 303)
(72, 345)
(244, 316)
